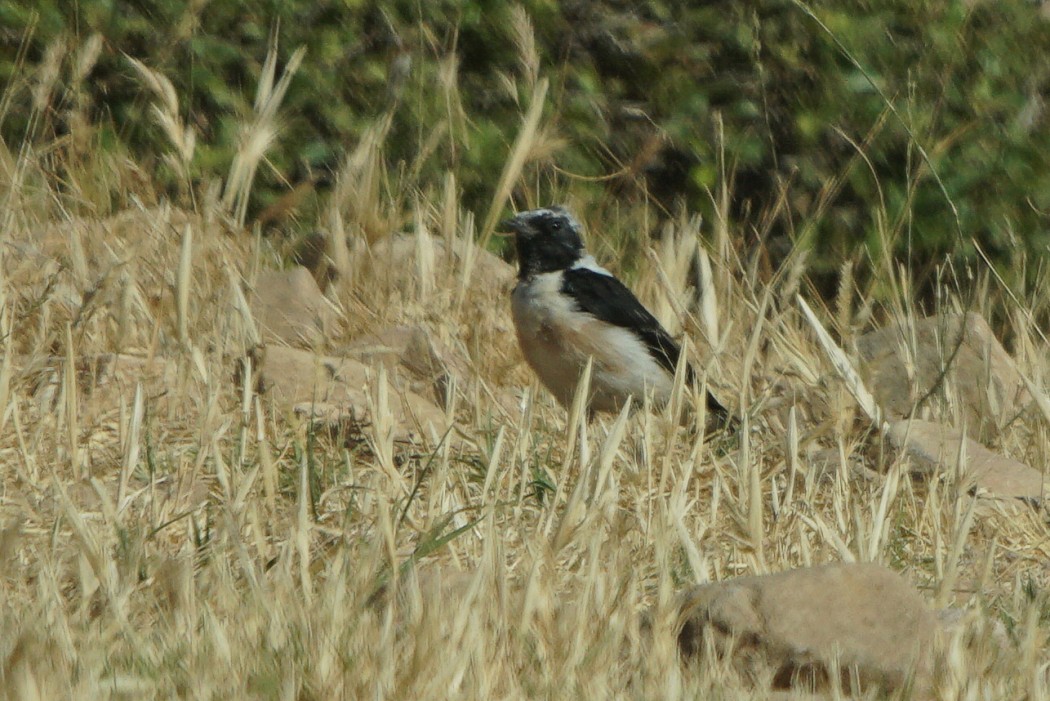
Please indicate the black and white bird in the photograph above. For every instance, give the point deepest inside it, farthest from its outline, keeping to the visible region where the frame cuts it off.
(567, 309)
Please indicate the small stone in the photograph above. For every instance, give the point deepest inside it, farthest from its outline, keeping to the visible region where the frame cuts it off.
(290, 308)
(862, 622)
(935, 448)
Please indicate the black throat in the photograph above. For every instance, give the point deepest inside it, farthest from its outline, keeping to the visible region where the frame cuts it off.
(546, 254)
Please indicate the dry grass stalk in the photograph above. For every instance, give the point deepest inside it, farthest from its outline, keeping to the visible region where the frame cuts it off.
(519, 153)
(185, 280)
(845, 368)
(525, 41)
(166, 112)
(258, 134)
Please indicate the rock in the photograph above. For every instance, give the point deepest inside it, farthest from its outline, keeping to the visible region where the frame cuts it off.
(336, 391)
(981, 376)
(861, 621)
(935, 448)
(290, 308)
(433, 364)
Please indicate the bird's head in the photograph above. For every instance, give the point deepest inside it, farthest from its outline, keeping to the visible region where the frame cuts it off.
(546, 240)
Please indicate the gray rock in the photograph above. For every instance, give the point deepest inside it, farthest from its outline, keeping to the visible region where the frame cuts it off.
(935, 448)
(290, 308)
(862, 622)
(901, 368)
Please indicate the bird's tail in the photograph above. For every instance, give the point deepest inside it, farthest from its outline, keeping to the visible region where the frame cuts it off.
(719, 418)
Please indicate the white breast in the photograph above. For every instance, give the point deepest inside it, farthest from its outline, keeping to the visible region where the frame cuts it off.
(557, 339)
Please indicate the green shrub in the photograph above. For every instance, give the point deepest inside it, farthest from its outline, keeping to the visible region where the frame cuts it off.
(655, 93)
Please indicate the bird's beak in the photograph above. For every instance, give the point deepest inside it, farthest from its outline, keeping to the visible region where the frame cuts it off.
(509, 227)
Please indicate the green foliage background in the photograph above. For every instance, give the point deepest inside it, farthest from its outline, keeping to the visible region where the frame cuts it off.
(795, 98)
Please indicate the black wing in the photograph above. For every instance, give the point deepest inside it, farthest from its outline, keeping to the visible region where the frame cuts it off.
(606, 298)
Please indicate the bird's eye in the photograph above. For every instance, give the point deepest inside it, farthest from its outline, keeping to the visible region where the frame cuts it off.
(556, 226)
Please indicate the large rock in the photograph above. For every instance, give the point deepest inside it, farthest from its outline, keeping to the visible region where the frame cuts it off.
(935, 448)
(860, 621)
(336, 391)
(901, 365)
(290, 308)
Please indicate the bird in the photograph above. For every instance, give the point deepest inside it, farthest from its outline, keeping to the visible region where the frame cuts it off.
(568, 309)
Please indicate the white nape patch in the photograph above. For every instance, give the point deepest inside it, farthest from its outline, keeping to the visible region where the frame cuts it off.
(587, 262)
(556, 339)
(552, 212)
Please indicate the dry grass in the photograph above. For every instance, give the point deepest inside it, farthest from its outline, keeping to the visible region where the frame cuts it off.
(180, 537)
